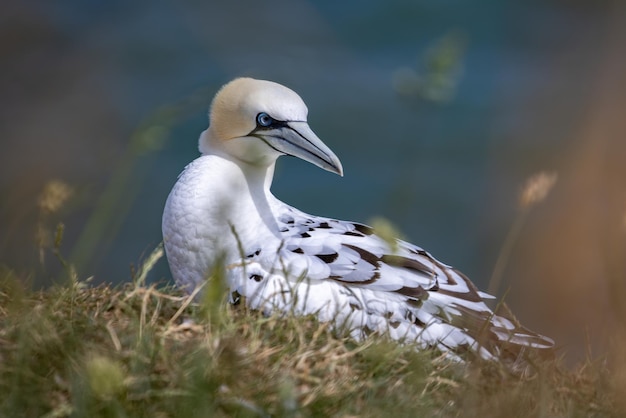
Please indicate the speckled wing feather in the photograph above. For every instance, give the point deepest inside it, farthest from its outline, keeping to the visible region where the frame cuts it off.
(376, 286)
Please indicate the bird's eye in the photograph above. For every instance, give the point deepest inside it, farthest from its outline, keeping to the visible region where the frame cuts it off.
(263, 119)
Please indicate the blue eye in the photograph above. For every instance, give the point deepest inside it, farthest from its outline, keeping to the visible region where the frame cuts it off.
(263, 119)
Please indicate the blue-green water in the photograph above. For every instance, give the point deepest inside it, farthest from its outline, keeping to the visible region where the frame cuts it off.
(83, 75)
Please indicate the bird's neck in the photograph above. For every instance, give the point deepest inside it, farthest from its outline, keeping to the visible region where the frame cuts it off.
(258, 177)
(242, 188)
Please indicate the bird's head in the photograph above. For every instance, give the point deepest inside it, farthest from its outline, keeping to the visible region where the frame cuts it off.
(256, 121)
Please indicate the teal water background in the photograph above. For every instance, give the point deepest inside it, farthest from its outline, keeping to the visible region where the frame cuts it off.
(103, 68)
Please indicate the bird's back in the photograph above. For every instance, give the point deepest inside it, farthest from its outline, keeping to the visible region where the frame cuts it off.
(344, 272)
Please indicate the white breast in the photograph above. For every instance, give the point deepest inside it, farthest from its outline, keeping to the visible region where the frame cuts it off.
(201, 213)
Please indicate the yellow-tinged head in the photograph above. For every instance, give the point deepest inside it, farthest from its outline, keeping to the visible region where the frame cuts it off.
(256, 121)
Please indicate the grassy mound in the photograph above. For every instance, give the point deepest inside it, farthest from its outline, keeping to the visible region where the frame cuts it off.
(137, 351)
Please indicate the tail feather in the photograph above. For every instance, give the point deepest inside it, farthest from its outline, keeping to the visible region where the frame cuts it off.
(499, 332)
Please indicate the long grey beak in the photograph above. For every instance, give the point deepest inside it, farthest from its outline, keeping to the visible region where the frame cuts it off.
(298, 140)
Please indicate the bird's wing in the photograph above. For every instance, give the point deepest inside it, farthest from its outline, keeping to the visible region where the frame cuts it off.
(413, 285)
(352, 254)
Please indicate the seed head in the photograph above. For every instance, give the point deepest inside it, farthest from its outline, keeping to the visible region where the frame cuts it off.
(536, 189)
(54, 194)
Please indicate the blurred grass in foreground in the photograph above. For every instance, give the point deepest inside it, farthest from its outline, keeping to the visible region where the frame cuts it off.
(140, 351)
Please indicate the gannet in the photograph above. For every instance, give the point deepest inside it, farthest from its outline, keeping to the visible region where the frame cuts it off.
(278, 259)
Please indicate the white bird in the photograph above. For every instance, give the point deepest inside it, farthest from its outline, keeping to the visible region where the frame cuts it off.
(278, 259)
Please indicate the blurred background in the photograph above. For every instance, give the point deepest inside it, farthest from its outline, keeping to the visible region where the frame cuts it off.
(439, 110)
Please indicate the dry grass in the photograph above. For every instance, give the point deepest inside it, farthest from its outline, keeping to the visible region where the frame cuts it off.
(141, 351)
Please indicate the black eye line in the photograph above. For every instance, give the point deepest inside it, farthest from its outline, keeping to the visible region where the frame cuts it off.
(276, 124)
